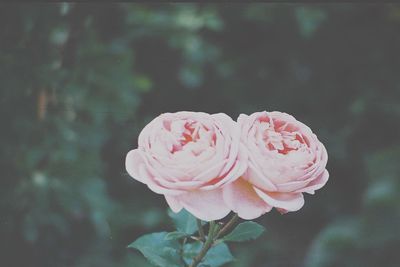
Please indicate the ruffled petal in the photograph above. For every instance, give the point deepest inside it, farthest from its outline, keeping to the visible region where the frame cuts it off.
(205, 205)
(241, 197)
(133, 163)
(285, 201)
(257, 178)
(316, 184)
(173, 203)
(137, 167)
(234, 173)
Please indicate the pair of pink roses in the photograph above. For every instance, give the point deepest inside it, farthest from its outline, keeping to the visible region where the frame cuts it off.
(211, 165)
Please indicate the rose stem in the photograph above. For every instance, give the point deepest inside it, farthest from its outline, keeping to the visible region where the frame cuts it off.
(227, 226)
(214, 233)
(181, 250)
(201, 231)
(206, 246)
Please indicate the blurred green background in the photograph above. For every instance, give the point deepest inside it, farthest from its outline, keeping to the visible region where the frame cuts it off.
(79, 81)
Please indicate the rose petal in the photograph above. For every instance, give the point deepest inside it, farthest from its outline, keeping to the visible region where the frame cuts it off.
(292, 186)
(173, 203)
(231, 135)
(286, 201)
(133, 162)
(159, 178)
(205, 205)
(210, 172)
(137, 168)
(243, 199)
(236, 171)
(316, 184)
(255, 177)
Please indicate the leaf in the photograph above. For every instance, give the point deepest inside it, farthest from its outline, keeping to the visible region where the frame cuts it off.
(175, 235)
(218, 255)
(158, 250)
(244, 232)
(190, 250)
(184, 221)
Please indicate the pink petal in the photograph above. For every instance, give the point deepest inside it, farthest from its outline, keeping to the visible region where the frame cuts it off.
(133, 163)
(286, 201)
(205, 205)
(210, 172)
(257, 178)
(173, 203)
(237, 171)
(241, 197)
(137, 168)
(234, 173)
(292, 186)
(316, 184)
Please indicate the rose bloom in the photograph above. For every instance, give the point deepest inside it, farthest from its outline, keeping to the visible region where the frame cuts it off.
(188, 157)
(285, 160)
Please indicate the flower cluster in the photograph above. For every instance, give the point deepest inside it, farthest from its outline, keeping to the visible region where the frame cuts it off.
(211, 165)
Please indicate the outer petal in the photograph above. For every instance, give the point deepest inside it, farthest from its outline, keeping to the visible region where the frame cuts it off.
(173, 203)
(133, 163)
(242, 119)
(316, 184)
(137, 168)
(234, 173)
(292, 186)
(285, 201)
(241, 197)
(205, 205)
(211, 172)
(257, 178)
(227, 124)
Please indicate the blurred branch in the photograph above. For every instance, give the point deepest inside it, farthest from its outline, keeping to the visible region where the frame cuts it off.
(76, 20)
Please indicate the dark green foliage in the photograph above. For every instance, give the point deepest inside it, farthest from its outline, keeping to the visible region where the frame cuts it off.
(179, 248)
(244, 232)
(79, 81)
(217, 256)
(158, 250)
(184, 222)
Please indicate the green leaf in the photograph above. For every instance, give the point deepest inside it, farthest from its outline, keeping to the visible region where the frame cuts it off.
(184, 221)
(218, 255)
(175, 235)
(190, 250)
(244, 232)
(158, 250)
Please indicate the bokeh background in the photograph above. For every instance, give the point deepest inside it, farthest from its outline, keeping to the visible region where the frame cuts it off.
(79, 81)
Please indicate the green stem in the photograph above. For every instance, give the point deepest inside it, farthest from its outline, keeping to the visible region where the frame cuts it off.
(181, 250)
(228, 226)
(214, 232)
(206, 246)
(201, 231)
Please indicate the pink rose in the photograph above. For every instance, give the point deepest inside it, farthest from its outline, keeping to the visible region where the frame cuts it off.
(188, 157)
(285, 160)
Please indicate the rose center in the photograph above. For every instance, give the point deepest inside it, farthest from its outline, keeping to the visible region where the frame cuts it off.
(281, 139)
(193, 136)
